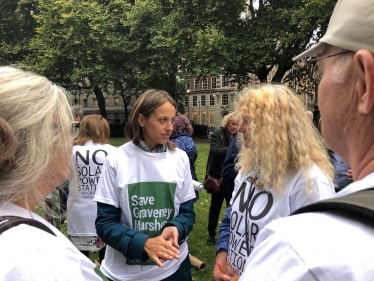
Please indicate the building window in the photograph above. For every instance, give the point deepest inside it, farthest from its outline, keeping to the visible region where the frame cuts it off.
(196, 84)
(116, 100)
(211, 99)
(205, 83)
(194, 116)
(186, 100)
(85, 103)
(211, 118)
(214, 82)
(225, 81)
(194, 101)
(203, 115)
(203, 102)
(225, 99)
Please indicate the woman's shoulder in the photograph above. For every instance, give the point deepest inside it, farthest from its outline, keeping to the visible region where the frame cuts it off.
(28, 248)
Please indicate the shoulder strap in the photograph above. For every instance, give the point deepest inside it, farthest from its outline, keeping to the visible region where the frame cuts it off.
(7, 222)
(359, 204)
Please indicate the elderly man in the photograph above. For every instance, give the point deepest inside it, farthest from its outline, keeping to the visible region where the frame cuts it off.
(329, 245)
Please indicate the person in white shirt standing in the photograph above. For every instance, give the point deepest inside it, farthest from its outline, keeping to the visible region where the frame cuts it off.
(35, 149)
(330, 245)
(282, 166)
(145, 198)
(91, 148)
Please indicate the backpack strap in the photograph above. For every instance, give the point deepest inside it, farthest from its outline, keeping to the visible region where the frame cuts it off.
(359, 204)
(7, 222)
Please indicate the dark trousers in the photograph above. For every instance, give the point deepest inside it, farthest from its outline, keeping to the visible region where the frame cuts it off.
(63, 192)
(182, 274)
(101, 254)
(215, 210)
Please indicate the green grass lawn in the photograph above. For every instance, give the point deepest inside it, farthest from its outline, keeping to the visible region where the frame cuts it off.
(197, 238)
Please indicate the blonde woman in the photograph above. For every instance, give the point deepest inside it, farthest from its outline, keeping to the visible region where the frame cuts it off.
(282, 166)
(219, 144)
(35, 148)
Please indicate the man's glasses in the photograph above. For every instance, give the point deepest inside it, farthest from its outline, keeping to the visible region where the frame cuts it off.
(329, 56)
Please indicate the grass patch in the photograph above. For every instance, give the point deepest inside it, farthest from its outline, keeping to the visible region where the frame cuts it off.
(197, 238)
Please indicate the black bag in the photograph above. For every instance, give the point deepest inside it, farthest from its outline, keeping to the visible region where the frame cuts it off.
(212, 184)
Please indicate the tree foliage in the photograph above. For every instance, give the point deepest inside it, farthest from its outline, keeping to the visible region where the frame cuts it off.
(269, 34)
(125, 46)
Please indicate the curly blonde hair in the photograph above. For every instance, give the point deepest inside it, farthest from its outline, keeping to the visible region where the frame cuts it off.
(281, 136)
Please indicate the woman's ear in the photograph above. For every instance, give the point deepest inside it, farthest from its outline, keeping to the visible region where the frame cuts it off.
(141, 119)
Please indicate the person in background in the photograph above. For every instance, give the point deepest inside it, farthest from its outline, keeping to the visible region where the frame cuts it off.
(181, 135)
(229, 172)
(145, 196)
(282, 166)
(91, 148)
(36, 144)
(77, 112)
(219, 143)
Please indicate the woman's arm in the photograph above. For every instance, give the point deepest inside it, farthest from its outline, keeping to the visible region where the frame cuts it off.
(124, 239)
(224, 232)
(131, 243)
(184, 221)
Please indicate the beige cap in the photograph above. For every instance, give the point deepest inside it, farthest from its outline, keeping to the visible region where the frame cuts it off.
(351, 27)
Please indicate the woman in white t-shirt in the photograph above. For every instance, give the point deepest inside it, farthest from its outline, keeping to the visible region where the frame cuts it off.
(90, 149)
(146, 198)
(282, 166)
(35, 148)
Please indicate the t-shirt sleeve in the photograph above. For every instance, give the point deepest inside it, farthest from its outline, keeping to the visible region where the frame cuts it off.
(107, 188)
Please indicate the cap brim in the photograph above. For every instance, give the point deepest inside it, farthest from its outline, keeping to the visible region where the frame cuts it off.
(312, 52)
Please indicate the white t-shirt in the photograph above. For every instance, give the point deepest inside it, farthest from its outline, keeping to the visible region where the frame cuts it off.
(253, 208)
(89, 159)
(315, 246)
(29, 253)
(148, 188)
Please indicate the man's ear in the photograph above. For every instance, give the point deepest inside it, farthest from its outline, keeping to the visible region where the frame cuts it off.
(364, 66)
(141, 119)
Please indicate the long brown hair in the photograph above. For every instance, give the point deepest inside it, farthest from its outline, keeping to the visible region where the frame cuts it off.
(95, 128)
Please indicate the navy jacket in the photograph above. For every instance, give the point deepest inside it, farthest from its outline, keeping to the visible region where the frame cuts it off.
(185, 142)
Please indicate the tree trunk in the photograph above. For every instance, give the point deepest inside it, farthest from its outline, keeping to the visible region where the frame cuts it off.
(262, 74)
(126, 100)
(173, 86)
(100, 101)
(281, 70)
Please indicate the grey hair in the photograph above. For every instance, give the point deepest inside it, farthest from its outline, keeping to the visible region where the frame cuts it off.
(77, 110)
(342, 67)
(35, 120)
